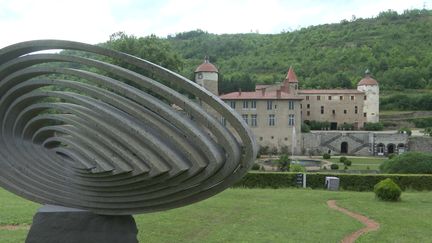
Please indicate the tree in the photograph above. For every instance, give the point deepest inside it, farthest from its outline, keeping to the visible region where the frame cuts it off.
(284, 163)
(150, 48)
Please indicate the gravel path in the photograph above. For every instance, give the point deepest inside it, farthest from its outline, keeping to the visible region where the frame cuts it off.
(370, 224)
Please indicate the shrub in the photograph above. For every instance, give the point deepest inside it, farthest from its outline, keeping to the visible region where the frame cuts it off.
(255, 166)
(348, 162)
(305, 128)
(284, 162)
(317, 125)
(284, 150)
(428, 131)
(387, 190)
(297, 168)
(334, 166)
(377, 126)
(347, 126)
(422, 122)
(351, 182)
(405, 130)
(342, 159)
(326, 156)
(263, 150)
(408, 163)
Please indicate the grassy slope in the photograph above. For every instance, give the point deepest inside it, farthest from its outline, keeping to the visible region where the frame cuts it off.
(264, 215)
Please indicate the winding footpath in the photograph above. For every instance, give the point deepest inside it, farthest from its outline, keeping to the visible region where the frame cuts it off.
(370, 224)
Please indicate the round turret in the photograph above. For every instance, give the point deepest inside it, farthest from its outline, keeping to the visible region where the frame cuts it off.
(367, 80)
(206, 75)
(370, 87)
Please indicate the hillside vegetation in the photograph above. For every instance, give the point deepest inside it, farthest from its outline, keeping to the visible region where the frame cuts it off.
(397, 48)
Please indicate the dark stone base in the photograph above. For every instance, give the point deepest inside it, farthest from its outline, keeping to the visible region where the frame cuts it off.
(55, 224)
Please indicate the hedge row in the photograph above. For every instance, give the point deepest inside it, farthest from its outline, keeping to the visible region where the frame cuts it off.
(352, 182)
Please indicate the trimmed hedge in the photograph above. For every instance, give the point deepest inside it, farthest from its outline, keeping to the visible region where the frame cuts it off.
(351, 182)
(387, 190)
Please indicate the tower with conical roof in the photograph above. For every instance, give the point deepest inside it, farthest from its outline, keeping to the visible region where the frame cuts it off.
(290, 84)
(206, 75)
(370, 87)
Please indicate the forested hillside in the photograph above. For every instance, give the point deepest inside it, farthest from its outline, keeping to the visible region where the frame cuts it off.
(397, 48)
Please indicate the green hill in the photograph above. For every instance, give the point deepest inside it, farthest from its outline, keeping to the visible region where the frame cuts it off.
(397, 48)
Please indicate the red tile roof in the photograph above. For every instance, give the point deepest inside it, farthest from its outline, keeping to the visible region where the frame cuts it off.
(206, 66)
(291, 76)
(368, 81)
(258, 95)
(329, 91)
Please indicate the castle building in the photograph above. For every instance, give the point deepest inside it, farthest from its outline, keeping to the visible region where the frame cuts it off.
(275, 114)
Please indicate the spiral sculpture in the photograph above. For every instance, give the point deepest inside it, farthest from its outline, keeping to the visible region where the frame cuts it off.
(79, 131)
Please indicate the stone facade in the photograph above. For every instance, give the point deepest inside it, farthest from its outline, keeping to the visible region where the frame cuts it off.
(354, 142)
(275, 112)
(334, 106)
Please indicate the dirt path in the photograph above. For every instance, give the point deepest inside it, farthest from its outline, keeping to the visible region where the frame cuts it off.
(14, 227)
(370, 224)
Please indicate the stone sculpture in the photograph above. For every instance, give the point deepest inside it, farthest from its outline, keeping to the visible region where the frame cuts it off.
(84, 133)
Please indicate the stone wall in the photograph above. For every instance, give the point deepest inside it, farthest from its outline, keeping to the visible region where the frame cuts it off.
(422, 144)
(354, 142)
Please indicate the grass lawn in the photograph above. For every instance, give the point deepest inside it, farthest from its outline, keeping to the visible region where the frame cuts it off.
(265, 215)
(362, 163)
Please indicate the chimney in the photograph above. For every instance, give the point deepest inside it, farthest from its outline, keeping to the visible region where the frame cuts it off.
(263, 91)
(278, 93)
(239, 92)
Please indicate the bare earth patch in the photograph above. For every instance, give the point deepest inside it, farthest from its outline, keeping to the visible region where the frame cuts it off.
(370, 224)
(14, 227)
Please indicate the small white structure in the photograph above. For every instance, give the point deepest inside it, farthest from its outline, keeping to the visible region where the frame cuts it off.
(332, 183)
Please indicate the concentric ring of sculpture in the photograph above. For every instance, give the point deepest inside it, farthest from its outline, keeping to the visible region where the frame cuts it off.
(84, 133)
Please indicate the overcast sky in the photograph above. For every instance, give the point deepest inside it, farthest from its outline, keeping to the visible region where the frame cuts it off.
(92, 21)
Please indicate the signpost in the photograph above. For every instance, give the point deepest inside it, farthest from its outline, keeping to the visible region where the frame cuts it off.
(301, 179)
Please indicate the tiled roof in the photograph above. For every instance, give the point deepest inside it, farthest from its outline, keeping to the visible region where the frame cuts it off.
(291, 76)
(368, 81)
(259, 95)
(206, 66)
(329, 91)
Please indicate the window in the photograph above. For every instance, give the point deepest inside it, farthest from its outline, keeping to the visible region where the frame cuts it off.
(365, 97)
(329, 98)
(245, 118)
(333, 112)
(352, 97)
(308, 113)
(223, 121)
(245, 104)
(308, 106)
(291, 119)
(307, 97)
(271, 120)
(254, 120)
(341, 97)
(269, 105)
(345, 111)
(253, 104)
(318, 97)
(322, 109)
(301, 106)
(364, 114)
(291, 105)
(355, 109)
(232, 104)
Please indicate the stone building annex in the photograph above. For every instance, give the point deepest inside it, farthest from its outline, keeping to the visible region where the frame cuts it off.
(275, 114)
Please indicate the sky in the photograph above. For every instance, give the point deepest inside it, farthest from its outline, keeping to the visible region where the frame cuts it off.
(93, 21)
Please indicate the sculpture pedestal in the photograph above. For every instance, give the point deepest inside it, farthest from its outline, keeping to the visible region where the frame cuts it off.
(69, 225)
